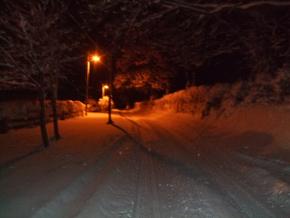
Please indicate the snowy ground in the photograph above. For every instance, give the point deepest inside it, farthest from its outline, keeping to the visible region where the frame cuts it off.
(154, 165)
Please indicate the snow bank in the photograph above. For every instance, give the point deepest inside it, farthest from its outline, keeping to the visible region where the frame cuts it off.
(69, 108)
(202, 101)
(196, 100)
(15, 114)
(257, 125)
(251, 113)
(100, 105)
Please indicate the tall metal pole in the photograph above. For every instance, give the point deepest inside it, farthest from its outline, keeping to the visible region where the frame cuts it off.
(110, 121)
(111, 72)
(87, 85)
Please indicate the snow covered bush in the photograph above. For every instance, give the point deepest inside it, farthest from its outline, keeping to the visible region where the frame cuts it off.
(93, 105)
(25, 113)
(69, 108)
(266, 89)
(104, 104)
(204, 100)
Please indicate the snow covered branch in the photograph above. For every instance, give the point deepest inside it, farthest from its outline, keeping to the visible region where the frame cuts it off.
(31, 42)
(210, 8)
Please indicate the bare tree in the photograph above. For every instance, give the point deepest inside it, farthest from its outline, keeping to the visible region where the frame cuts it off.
(189, 34)
(31, 49)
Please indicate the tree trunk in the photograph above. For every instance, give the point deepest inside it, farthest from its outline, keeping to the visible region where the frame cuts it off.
(55, 112)
(42, 119)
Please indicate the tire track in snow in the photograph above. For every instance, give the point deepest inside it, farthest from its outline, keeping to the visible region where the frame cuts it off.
(231, 165)
(105, 201)
(280, 170)
(206, 210)
(146, 195)
(114, 197)
(71, 200)
(234, 192)
(154, 185)
(137, 196)
(230, 188)
(222, 188)
(146, 199)
(208, 202)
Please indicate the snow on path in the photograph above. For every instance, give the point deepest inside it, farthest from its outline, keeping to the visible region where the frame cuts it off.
(149, 166)
(35, 180)
(256, 188)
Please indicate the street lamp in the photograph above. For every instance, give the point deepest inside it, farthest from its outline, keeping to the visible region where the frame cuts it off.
(104, 87)
(92, 58)
(95, 58)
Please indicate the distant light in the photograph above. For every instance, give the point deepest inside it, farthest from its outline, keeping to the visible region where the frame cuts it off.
(95, 58)
(104, 88)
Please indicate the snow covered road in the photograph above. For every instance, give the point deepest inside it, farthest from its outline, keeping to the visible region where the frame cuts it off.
(150, 166)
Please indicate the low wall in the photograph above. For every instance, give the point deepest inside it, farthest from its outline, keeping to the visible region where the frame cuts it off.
(18, 114)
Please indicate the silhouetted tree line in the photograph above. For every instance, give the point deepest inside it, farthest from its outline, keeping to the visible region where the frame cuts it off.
(193, 41)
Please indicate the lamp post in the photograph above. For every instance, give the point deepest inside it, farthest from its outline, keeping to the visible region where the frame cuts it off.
(112, 72)
(92, 58)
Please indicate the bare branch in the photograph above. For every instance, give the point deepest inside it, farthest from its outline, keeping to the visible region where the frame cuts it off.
(205, 8)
